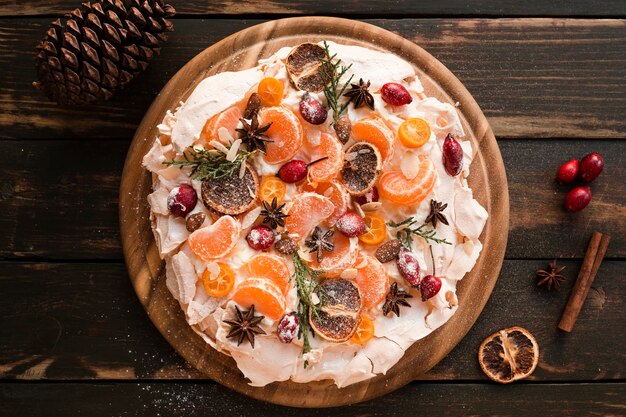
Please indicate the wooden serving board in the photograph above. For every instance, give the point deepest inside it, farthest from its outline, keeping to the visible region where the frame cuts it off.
(240, 51)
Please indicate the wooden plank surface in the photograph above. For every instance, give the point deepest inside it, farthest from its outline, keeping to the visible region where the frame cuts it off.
(60, 199)
(397, 8)
(83, 321)
(201, 399)
(547, 77)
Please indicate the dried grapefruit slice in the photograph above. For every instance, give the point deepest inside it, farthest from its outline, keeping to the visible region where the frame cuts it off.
(375, 131)
(326, 170)
(372, 280)
(397, 188)
(228, 119)
(216, 240)
(342, 257)
(509, 355)
(272, 267)
(286, 134)
(307, 211)
(265, 295)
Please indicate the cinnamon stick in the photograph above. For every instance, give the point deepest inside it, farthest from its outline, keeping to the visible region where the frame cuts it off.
(591, 263)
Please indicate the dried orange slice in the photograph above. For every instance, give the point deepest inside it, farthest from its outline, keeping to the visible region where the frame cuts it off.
(228, 119)
(270, 91)
(375, 131)
(266, 297)
(335, 262)
(304, 66)
(272, 187)
(220, 284)
(372, 280)
(364, 332)
(397, 188)
(272, 267)
(307, 211)
(361, 168)
(286, 134)
(326, 170)
(216, 240)
(376, 229)
(338, 316)
(509, 355)
(414, 132)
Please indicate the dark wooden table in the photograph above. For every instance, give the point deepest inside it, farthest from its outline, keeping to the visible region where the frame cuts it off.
(551, 79)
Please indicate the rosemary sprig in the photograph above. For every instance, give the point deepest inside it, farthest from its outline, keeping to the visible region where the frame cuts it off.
(333, 71)
(406, 233)
(306, 286)
(210, 163)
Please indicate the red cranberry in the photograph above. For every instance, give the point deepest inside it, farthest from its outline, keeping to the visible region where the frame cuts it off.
(350, 224)
(182, 200)
(260, 238)
(590, 167)
(296, 170)
(409, 267)
(452, 156)
(395, 94)
(568, 171)
(288, 327)
(370, 197)
(430, 287)
(312, 110)
(577, 199)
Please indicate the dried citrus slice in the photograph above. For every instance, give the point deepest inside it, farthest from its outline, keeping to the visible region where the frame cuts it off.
(270, 91)
(326, 170)
(266, 297)
(397, 188)
(228, 119)
(272, 187)
(304, 66)
(216, 240)
(231, 194)
(414, 132)
(509, 355)
(221, 283)
(338, 317)
(307, 211)
(364, 332)
(286, 134)
(342, 257)
(375, 131)
(272, 267)
(361, 168)
(376, 229)
(372, 280)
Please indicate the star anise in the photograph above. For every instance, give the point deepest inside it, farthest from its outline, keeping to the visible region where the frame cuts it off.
(358, 94)
(551, 277)
(253, 135)
(320, 241)
(245, 326)
(273, 214)
(395, 298)
(436, 213)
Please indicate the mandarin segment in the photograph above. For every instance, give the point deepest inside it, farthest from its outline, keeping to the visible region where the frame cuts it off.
(307, 211)
(271, 267)
(265, 295)
(375, 131)
(335, 262)
(228, 119)
(216, 240)
(286, 134)
(372, 280)
(398, 189)
(327, 169)
(338, 196)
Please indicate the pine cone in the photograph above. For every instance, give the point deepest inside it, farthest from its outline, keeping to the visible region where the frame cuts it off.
(99, 48)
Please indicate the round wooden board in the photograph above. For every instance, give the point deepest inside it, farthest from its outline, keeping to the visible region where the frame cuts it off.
(240, 51)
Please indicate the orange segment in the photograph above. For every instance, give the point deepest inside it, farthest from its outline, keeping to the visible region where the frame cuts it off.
(221, 284)
(272, 267)
(335, 262)
(216, 240)
(308, 210)
(272, 187)
(372, 280)
(326, 170)
(228, 119)
(397, 188)
(364, 332)
(375, 131)
(376, 229)
(414, 132)
(267, 298)
(270, 91)
(337, 195)
(286, 134)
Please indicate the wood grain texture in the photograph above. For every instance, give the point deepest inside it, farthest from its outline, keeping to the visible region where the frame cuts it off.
(547, 78)
(398, 8)
(78, 321)
(60, 199)
(201, 399)
(241, 51)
